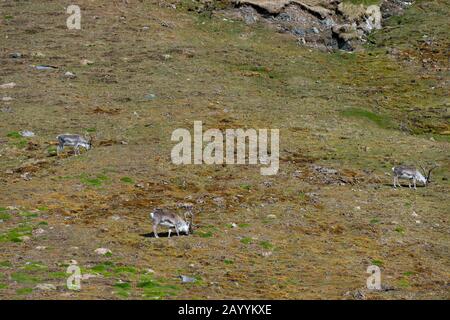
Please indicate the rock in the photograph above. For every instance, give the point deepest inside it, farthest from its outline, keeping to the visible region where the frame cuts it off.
(9, 85)
(249, 15)
(70, 75)
(38, 54)
(373, 20)
(26, 176)
(27, 133)
(86, 62)
(324, 170)
(150, 96)
(186, 279)
(271, 216)
(46, 286)
(102, 251)
(38, 231)
(266, 254)
(7, 99)
(15, 55)
(273, 7)
(115, 218)
(234, 225)
(352, 12)
(149, 270)
(24, 238)
(219, 201)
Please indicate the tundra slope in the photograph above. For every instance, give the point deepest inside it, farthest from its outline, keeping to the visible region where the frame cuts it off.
(311, 231)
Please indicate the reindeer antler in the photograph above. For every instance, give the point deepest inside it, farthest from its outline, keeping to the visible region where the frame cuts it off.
(90, 137)
(423, 168)
(429, 171)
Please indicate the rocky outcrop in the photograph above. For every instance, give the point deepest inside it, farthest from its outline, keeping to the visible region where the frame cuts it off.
(326, 24)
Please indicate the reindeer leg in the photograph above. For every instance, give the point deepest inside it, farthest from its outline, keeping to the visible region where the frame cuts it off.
(394, 182)
(178, 233)
(155, 233)
(170, 231)
(414, 182)
(59, 149)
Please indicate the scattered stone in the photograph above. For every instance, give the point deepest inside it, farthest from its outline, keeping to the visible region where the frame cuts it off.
(324, 170)
(266, 254)
(24, 238)
(7, 99)
(9, 85)
(15, 55)
(271, 216)
(145, 28)
(27, 133)
(186, 279)
(86, 62)
(297, 174)
(268, 184)
(149, 270)
(38, 231)
(249, 14)
(46, 286)
(219, 201)
(38, 54)
(26, 176)
(70, 75)
(150, 96)
(234, 225)
(115, 218)
(102, 251)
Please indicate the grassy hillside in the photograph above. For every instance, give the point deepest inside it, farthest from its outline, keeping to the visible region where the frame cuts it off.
(303, 233)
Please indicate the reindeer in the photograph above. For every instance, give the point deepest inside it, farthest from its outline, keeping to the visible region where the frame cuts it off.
(412, 174)
(169, 219)
(73, 140)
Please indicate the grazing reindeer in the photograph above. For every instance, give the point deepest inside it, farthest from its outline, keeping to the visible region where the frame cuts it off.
(169, 219)
(73, 140)
(412, 174)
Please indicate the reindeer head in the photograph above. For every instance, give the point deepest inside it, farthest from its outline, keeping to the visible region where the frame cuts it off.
(90, 140)
(427, 173)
